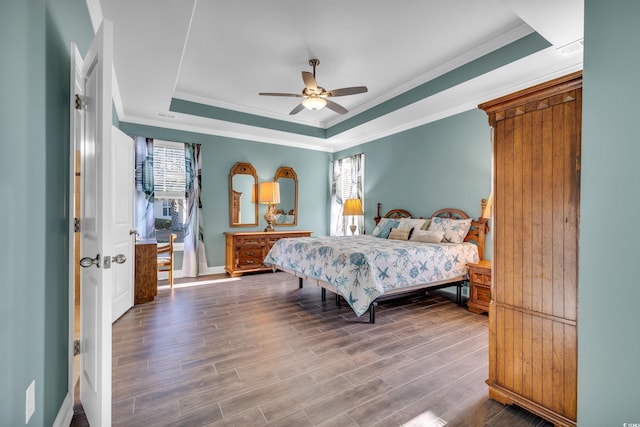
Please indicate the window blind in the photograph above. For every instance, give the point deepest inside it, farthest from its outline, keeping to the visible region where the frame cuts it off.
(169, 170)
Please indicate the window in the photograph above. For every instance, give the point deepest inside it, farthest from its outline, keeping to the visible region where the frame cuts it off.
(348, 183)
(166, 208)
(169, 189)
(168, 169)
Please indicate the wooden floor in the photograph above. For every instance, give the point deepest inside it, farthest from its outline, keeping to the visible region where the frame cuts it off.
(259, 351)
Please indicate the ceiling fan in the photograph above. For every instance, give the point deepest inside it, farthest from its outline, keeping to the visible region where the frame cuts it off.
(316, 97)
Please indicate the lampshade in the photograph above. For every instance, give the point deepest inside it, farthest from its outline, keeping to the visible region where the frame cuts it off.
(352, 207)
(487, 210)
(269, 192)
(314, 103)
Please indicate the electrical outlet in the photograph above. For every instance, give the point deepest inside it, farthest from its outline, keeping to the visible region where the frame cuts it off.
(30, 402)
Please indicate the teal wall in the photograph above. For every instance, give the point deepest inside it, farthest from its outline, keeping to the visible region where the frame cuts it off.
(34, 41)
(438, 165)
(405, 170)
(219, 154)
(608, 337)
(22, 184)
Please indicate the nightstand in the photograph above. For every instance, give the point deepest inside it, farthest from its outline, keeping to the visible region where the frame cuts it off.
(479, 286)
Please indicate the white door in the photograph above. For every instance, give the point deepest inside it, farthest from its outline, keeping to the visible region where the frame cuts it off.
(96, 219)
(122, 197)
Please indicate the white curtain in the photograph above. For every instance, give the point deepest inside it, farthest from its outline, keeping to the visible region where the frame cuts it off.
(194, 262)
(347, 183)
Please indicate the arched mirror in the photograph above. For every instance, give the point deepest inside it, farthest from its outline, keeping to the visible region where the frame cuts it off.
(243, 185)
(287, 209)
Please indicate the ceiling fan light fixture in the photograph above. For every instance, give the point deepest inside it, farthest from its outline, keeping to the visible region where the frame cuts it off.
(314, 103)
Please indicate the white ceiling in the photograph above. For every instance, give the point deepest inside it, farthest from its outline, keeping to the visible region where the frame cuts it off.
(223, 52)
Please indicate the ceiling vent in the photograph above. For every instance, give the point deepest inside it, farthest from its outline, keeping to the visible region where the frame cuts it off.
(572, 47)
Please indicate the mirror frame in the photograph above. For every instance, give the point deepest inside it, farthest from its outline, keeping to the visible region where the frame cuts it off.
(243, 168)
(288, 172)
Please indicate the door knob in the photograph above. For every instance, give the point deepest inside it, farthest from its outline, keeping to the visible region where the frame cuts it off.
(88, 261)
(133, 231)
(119, 259)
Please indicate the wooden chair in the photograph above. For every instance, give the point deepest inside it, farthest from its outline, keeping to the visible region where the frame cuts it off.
(165, 262)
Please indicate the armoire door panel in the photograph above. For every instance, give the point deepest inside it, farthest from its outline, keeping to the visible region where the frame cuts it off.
(536, 360)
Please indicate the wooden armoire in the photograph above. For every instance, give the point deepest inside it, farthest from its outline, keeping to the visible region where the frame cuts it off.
(533, 316)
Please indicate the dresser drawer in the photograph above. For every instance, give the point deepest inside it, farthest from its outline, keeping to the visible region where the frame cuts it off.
(250, 261)
(480, 277)
(250, 242)
(271, 241)
(250, 252)
(482, 294)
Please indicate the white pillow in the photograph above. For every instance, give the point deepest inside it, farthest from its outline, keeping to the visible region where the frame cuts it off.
(427, 236)
(455, 230)
(415, 223)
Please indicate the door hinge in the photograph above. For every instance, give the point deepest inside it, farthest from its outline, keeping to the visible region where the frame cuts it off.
(76, 347)
(76, 225)
(78, 103)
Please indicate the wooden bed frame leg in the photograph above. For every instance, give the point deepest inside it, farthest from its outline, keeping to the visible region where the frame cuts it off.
(324, 294)
(300, 282)
(372, 312)
(338, 299)
(459, 293)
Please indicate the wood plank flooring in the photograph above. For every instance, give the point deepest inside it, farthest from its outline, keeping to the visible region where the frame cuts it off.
(258, 350)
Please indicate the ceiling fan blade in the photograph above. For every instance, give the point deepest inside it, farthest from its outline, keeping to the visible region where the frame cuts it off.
(347, 91)
(309, 80)
(296, 110)
(336, 107)
(297, 95)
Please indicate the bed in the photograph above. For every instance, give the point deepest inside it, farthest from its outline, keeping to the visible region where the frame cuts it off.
(368, 268)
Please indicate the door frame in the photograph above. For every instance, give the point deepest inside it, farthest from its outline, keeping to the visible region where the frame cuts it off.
(76, 60)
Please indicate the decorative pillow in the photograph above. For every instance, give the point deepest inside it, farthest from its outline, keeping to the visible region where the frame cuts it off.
(425, 226)
(455, 230)
(376, 230)
(400, 234)
(427, 236)
(384, 227)
(415, 223)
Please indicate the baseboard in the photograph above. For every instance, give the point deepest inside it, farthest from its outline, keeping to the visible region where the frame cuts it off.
(65, 414)
(216, 270)
(177, 274)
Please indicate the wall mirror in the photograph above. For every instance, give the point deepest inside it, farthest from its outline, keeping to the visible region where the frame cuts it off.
(243, 187)
(287, 209)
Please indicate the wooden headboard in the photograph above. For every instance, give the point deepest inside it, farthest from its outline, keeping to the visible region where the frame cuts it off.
(477, 232)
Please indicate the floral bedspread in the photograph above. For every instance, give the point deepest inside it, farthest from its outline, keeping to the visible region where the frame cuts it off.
(361, 268)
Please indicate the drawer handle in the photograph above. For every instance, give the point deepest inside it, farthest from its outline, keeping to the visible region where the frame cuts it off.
(248, 262)
(250, 253)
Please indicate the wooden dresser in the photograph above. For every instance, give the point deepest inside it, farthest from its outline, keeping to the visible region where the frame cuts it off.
(533, 316)
(479, 286)
(245, 251)
(146, 271)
